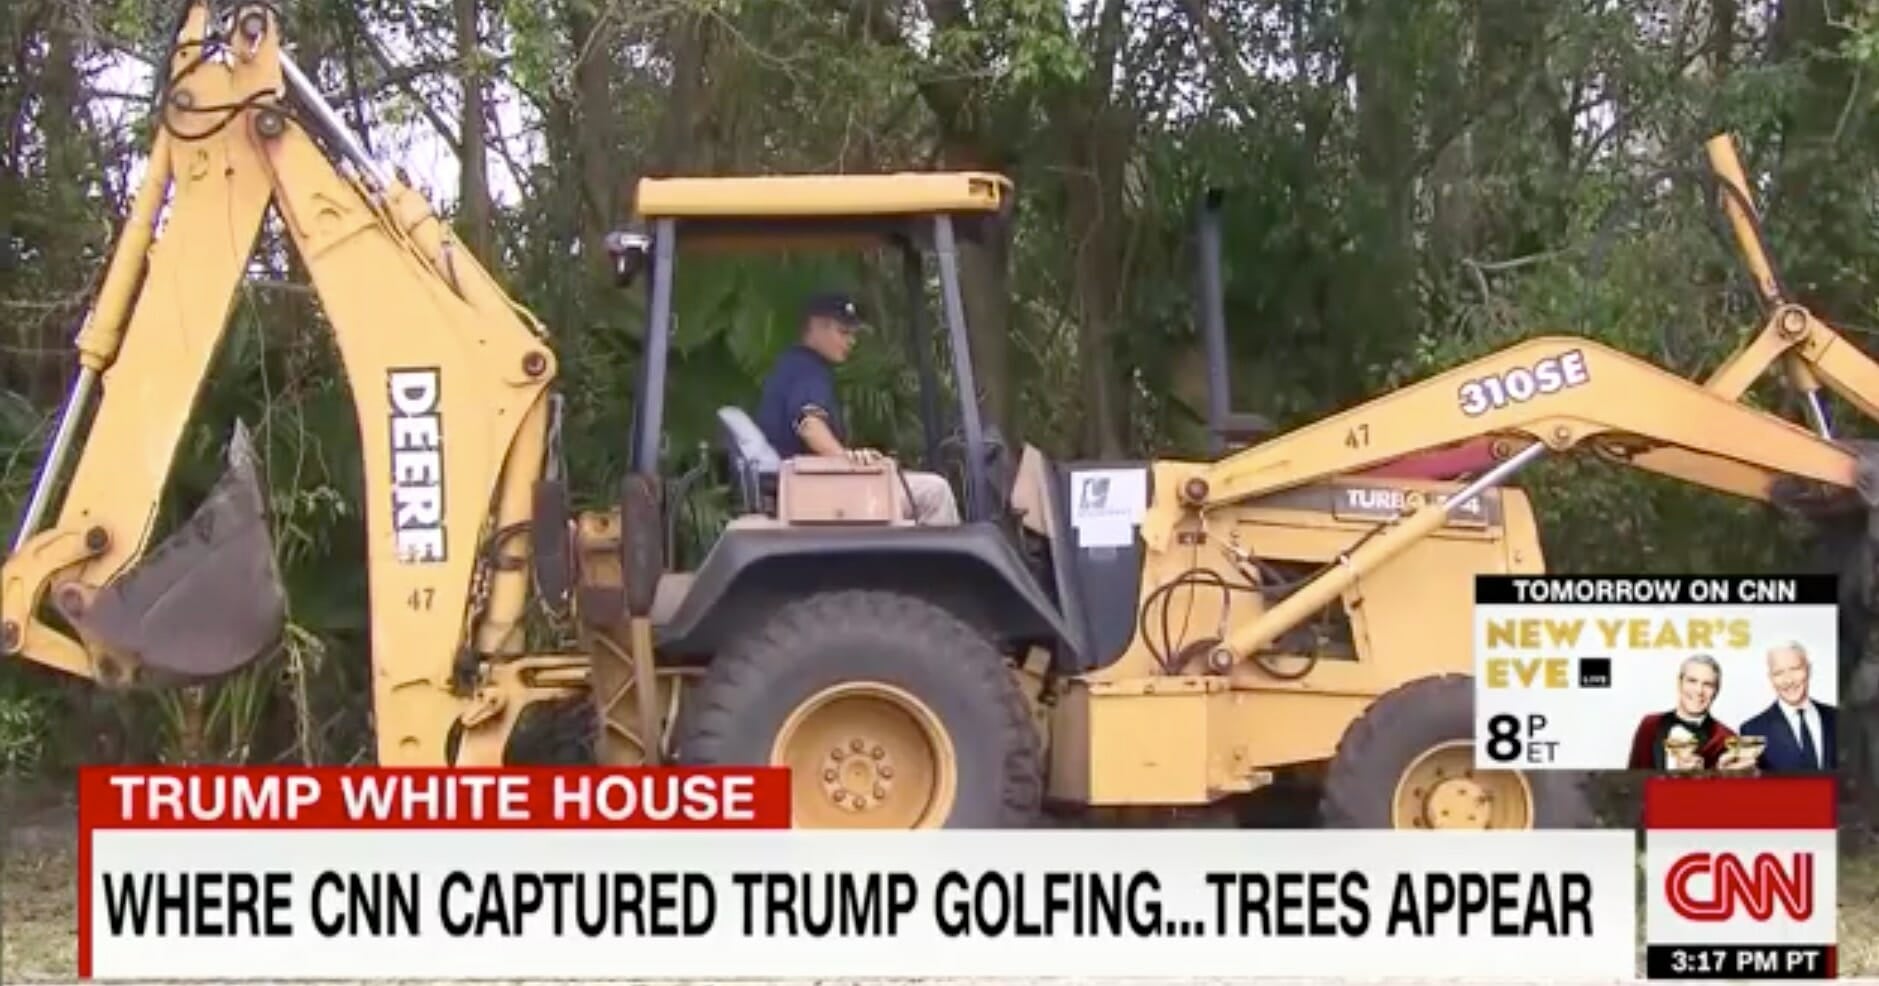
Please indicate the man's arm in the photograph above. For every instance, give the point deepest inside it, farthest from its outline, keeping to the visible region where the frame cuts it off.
(819, 438)
(1829, 735)
(809, 403)
(816, 434)
(1762, 728)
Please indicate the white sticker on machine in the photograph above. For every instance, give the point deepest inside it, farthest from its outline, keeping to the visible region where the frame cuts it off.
(1106, 504)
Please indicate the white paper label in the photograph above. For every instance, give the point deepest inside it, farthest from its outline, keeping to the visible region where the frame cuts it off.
(1106, 504)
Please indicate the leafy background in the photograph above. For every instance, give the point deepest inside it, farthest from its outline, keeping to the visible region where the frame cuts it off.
(1409, 186)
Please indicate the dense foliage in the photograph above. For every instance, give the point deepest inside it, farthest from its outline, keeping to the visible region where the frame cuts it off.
(1408, 185)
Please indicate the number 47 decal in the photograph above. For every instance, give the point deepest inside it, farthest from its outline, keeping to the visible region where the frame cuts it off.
(1549, 375)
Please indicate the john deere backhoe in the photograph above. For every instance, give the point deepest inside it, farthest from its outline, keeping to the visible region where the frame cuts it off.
(1095, 635)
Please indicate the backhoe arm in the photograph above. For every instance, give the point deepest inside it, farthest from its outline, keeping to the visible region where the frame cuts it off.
(1559, 393)
(447, 376)
(1565, 391)
(1811, 352)
(1555, 392)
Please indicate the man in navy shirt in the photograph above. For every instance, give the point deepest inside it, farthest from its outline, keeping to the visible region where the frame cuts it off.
(800, 414)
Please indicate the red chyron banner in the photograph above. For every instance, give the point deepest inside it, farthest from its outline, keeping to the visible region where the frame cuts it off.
(1741, 878)
(123, 800)
(355, 798)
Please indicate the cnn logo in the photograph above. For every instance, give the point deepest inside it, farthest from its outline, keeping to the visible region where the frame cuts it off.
(1706, 886)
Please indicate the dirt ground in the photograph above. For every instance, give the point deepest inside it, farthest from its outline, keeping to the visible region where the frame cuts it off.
(38, 912)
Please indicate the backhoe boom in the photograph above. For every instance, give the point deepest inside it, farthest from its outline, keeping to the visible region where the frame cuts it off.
(1564, 391)
(448, 378)
(1559, 393)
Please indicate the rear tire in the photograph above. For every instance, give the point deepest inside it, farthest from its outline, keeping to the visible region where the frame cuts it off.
(1399, 733)
(843, 684)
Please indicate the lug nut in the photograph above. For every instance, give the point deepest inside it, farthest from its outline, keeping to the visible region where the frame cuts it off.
(857, 745)
(97, 539)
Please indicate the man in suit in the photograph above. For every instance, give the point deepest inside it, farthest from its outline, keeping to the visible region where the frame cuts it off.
(1687, 737)
(1799, 730)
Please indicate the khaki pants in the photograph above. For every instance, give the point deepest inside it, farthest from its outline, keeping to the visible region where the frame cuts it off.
(932, 498)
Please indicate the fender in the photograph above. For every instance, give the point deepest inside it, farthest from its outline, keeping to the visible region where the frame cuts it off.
(971, 569)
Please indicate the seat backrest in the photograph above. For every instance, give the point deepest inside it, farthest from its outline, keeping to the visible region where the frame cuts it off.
(746, 440)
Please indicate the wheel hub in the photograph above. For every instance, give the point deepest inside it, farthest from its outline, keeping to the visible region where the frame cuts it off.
(1458, 802)
(867, 755)
(859, 775)
(1441, 789)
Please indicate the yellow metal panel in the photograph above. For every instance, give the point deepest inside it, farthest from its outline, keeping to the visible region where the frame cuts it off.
(1176, 740)
(1069, 750)
(821, 196)
(1131, 747)
(219, 194)
(391, 313)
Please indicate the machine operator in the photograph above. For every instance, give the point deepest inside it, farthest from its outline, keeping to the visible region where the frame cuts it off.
(800, 414)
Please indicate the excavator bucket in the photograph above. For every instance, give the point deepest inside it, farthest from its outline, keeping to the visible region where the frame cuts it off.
(208, 600)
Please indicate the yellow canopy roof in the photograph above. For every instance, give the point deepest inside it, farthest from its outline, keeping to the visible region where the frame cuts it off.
(811, 197)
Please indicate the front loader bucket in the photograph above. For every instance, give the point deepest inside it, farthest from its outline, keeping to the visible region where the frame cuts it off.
(205, 602)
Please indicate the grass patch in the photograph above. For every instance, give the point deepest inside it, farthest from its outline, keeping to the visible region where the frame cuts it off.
(39, 909)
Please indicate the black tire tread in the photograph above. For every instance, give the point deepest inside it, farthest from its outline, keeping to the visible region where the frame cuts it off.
(1370, 745)
(739, 679)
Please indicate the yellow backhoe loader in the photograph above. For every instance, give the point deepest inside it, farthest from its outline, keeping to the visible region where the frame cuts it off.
(1095, 635)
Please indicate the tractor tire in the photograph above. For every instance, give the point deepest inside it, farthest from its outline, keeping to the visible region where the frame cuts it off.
(1414, 719)
(931, 733)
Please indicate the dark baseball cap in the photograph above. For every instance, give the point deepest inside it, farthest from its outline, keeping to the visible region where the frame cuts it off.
(835, 305)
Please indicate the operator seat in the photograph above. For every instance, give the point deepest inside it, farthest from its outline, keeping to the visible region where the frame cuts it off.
(753, 461)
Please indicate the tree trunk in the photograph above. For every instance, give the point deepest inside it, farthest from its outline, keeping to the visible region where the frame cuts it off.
(1808, 186)
(1097, 139)
(474, 223)
(677, 147)
(1375, 311)
(595, 128)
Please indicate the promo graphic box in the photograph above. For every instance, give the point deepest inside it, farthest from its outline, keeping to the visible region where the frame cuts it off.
(1600, 672)
(1740, 877)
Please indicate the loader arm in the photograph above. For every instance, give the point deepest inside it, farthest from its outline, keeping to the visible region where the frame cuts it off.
(447, 377)
(1564, 391)
(1576, 393)
(1560, 393)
